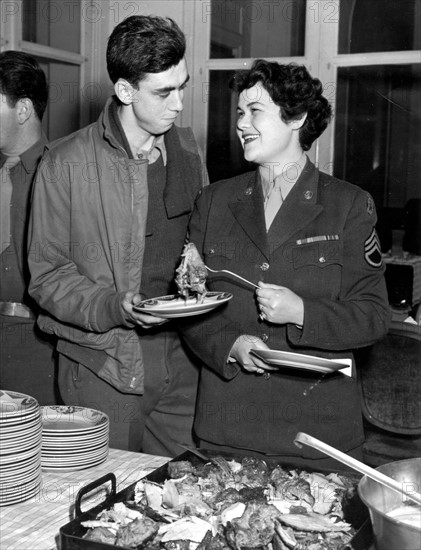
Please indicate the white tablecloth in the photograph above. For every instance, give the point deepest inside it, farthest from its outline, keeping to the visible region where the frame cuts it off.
(35, 523)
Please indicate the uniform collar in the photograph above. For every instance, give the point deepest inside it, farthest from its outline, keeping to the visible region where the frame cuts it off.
(30, 158)
(287, 179)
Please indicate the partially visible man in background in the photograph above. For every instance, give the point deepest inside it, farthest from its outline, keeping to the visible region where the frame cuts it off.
(26, 354)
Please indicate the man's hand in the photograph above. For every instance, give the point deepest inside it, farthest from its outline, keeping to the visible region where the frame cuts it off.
(279, 304)
(143, 320)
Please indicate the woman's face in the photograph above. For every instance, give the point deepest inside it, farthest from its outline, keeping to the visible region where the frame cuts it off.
(265, 137)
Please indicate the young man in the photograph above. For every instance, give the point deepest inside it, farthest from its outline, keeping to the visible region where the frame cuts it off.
(110, 213)
(26, 355)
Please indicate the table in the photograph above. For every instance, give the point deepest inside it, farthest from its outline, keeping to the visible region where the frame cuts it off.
(35, 523)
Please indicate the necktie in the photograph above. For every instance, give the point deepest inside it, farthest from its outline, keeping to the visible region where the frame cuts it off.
(5, 201)
(273, 202)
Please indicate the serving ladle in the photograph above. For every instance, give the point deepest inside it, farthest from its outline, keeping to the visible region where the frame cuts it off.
(305, 439)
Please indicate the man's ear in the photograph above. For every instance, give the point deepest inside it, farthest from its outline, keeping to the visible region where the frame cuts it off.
(124, 91)
(25, 109)
(297, 124)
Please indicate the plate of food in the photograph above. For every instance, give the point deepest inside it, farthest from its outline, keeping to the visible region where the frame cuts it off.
(193, 297)
(174, 305)
(298, 361)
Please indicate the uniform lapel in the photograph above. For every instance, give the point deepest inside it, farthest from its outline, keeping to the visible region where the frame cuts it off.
(299, 208)
(247, 208)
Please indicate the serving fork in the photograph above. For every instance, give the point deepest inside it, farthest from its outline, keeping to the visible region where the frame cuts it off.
(231, 273)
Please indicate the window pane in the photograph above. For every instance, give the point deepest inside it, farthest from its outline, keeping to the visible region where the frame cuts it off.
(52, 23)
(62, 114)
(379, 25)
(224, 157)
(378, 136)
(255, 28)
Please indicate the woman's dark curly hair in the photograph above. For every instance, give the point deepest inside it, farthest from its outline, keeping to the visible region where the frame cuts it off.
(294, 90)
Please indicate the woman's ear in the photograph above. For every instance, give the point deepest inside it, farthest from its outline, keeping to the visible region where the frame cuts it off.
(25, 109)
(124, 91)
(297, 124)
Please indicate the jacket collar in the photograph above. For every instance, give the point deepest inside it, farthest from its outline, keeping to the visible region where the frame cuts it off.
(178, 162)
(114, 131)
(298, 209)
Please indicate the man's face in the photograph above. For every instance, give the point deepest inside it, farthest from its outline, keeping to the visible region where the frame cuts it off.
(159, 99)
(9, 126)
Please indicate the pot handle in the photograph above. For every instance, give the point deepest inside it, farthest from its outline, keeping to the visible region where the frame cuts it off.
(91, 487)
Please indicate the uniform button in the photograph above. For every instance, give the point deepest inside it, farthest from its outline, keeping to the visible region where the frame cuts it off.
(248, 191)
(264, 337)
(211, 251)
(266, 376)
(322, 259)
(308, 195)
(264, 266)
(7, 268)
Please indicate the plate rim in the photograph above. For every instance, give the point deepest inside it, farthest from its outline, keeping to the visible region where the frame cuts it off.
(331, 367)
(164, 309)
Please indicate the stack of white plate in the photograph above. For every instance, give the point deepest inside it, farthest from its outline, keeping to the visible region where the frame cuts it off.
(20, 447)
(73, 438)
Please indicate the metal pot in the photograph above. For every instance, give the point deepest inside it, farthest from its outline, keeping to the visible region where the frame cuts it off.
(389, 533)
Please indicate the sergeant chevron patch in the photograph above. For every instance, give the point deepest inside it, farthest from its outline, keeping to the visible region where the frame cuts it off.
(372, 250)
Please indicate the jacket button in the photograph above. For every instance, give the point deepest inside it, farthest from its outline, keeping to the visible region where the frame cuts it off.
(264, 337)
(264, 266)
(322, 259)
(211, 251)
(308, 195)
(248, 191)
(266, 376)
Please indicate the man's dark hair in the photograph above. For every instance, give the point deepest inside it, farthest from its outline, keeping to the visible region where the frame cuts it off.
(21, 77)
(293, 89)
(144, 44)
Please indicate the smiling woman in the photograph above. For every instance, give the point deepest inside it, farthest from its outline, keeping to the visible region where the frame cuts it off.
(308, 241)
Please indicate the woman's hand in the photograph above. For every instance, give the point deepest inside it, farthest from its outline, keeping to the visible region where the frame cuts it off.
(144, 320)
(240, 351)
(279, 304)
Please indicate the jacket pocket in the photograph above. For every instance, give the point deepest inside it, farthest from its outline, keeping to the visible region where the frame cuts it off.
(317, 269)
(320, 254)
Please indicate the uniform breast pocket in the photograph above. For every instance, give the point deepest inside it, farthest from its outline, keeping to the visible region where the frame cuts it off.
(221, 251)
(318, 267)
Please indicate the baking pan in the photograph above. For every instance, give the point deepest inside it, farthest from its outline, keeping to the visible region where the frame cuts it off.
(71, 534)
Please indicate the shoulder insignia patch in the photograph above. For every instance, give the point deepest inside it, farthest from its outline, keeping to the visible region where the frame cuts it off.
(370, 206)
(372, 250)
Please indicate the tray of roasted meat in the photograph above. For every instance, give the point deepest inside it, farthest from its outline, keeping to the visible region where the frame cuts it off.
(224, 503)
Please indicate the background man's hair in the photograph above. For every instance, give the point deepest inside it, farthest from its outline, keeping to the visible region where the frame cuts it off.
(22, 77)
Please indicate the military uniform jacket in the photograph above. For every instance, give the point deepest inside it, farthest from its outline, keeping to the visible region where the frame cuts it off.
(323, 246)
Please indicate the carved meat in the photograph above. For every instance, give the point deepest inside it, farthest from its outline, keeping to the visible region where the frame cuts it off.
(191, 273)
(230, 505)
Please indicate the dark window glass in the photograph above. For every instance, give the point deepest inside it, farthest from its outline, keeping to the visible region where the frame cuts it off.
(224, 156)
(378, 137)
(379, 25)
(255, 28)
(52, 23)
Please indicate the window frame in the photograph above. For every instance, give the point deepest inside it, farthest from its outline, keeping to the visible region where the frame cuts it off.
(94, 32)
(321, 57)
